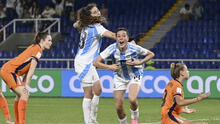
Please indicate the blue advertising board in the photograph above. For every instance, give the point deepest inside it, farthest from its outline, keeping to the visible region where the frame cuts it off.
(153, 83)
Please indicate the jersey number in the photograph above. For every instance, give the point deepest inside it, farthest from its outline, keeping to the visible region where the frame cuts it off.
(83, 40)
(164, 98)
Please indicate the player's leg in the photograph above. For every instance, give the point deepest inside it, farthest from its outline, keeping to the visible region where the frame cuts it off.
(97, 90)
(16, 109)
(23, 93)
(4, 107)
(86, 105)
(119, 101)
(133, 93)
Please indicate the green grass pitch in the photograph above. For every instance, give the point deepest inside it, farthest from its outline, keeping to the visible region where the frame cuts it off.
(68, 111)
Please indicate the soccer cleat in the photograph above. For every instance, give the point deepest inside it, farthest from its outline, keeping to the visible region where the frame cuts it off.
(94, 122)
(9, 121)
(134, 121)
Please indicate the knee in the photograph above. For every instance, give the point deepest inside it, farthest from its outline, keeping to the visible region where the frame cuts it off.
(24, 95)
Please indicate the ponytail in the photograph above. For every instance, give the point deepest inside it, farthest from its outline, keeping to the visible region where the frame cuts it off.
(40, 36)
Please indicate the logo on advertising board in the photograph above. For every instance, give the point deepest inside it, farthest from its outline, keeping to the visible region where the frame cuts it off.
(43, 83)
(153, 83)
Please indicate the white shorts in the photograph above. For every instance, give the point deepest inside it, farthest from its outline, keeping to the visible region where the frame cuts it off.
(87, 74)
(121, 84)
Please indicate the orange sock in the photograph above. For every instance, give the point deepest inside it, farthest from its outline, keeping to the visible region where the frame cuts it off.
(4, 107)
(22, 111)
(16, 111)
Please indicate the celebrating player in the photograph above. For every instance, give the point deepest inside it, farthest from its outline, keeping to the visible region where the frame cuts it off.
(128, 71)
(89, 24)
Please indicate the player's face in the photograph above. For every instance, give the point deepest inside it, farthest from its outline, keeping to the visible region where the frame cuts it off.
(122, 39)
(95, 12)
(186, 72)
(47, 42)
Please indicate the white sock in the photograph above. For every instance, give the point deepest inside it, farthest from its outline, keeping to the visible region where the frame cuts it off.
(94, 107)
(123, 120)
(86, 110)
(134, 114)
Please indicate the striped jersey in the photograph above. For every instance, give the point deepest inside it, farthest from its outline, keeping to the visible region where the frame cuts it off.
(126, 72)
(90, 43)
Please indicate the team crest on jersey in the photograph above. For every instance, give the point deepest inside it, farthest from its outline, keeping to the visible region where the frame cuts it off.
(178, 90)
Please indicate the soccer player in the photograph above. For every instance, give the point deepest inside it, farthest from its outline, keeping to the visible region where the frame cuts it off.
(173, 98)
(4, 108)
(128, 71)
(89, 24)
(24, 65)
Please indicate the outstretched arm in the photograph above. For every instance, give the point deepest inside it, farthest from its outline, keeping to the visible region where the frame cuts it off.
(183, 102)
(109, 34)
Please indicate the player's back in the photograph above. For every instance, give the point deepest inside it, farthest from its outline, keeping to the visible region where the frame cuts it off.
(21, 63)
(169, 105)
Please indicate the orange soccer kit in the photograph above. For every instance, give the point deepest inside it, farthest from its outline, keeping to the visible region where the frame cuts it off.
(16, 67)
(170, 109)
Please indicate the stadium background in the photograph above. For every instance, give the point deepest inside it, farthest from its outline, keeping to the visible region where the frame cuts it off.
(194, 42)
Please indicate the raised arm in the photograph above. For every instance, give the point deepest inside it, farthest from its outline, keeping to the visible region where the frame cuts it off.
(109, 34)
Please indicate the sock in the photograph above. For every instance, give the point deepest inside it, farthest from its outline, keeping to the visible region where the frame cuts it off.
(134, 114)
(4, 107)
(86, 110)
(16, 112)
(22, 111)
(123, 120)
(94, 107)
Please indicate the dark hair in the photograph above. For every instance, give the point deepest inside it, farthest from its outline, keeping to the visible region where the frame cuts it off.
(39, 36)
(175, 69)
(122, 29)
(85, 19)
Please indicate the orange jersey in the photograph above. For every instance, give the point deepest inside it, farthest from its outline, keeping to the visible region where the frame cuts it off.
(169, 106)
(20, 65)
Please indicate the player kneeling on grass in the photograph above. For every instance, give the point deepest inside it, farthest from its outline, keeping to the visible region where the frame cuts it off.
(173, 98)
(24, 65)
(128, 71)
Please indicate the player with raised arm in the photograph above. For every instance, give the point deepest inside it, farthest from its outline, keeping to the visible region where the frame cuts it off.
(89, 23)
(128, 71)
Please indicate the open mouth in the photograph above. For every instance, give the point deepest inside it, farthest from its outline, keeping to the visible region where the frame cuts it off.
(121, 42)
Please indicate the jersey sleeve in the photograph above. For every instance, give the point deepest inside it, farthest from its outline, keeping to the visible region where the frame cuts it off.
(36, 53)
(107, 52)
(101, 30)
(177, 91)
(141, 50)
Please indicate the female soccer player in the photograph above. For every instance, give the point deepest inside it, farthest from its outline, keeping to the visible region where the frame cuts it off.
(4, 108)
(89, 24)
(173, 98)
(128, 71)
(24, 64)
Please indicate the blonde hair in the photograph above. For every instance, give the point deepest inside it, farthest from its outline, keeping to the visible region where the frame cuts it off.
(175, 69)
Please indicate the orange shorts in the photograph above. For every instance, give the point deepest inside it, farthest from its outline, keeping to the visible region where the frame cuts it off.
(173, 119)
(11, 79)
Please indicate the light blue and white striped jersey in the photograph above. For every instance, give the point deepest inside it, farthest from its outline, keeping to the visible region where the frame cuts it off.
(133, 51)
(90, 43)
